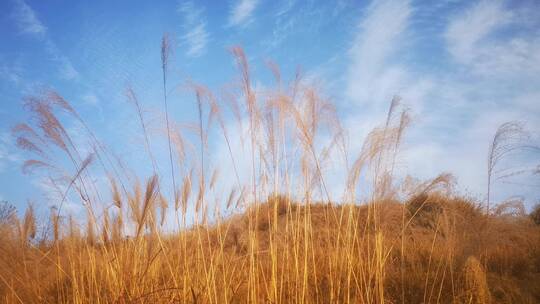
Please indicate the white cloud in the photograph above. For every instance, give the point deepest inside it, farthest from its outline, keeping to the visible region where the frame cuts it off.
(90, 99)
(472, 26)
(455, 114)
(53, 193)
(194, 27)
(27, 22)
(371, 79)
(242, 12)
(375, 72)
(476, 39)
(286, 23)
(26, 19)
(285, 7)
(11, 73)
(197, 39)
(67, 71)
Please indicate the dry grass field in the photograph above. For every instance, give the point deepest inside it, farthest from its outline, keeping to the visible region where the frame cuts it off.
(277, 238)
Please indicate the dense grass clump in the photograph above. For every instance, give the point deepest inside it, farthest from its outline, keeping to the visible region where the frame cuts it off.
(278, 236)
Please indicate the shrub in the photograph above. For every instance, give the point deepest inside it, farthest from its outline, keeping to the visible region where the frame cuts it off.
(535, 214)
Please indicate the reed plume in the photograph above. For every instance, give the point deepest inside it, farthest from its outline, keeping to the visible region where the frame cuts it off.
(277, 235)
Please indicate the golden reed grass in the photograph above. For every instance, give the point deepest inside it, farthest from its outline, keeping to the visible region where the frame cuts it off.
(278, 237)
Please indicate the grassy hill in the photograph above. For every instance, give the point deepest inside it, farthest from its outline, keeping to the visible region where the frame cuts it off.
(434, 248)
(174, 239)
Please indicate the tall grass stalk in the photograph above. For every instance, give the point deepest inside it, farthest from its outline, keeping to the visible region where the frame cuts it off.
(279, 234)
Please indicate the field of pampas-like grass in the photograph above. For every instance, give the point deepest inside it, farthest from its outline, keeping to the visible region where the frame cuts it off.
(278, 237)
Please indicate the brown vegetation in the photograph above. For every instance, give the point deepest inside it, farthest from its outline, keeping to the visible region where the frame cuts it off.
(449, 252)
(283, 239)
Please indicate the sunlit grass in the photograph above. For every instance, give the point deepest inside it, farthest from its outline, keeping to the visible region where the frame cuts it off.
(284, 239)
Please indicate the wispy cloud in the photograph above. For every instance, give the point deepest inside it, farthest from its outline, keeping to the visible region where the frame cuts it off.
(27, 22)
(7, 155)
(194, 27)
(90, 99)
(476, 38)
(285, 23)
(467, 29)
(67, 71)
(371, 77)
(242, 12)
(285, 7)
(53, 193)
(11, 73)
(26, 19)
(485, 42)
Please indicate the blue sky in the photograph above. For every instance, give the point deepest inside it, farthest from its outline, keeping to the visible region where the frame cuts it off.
(463, 67)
